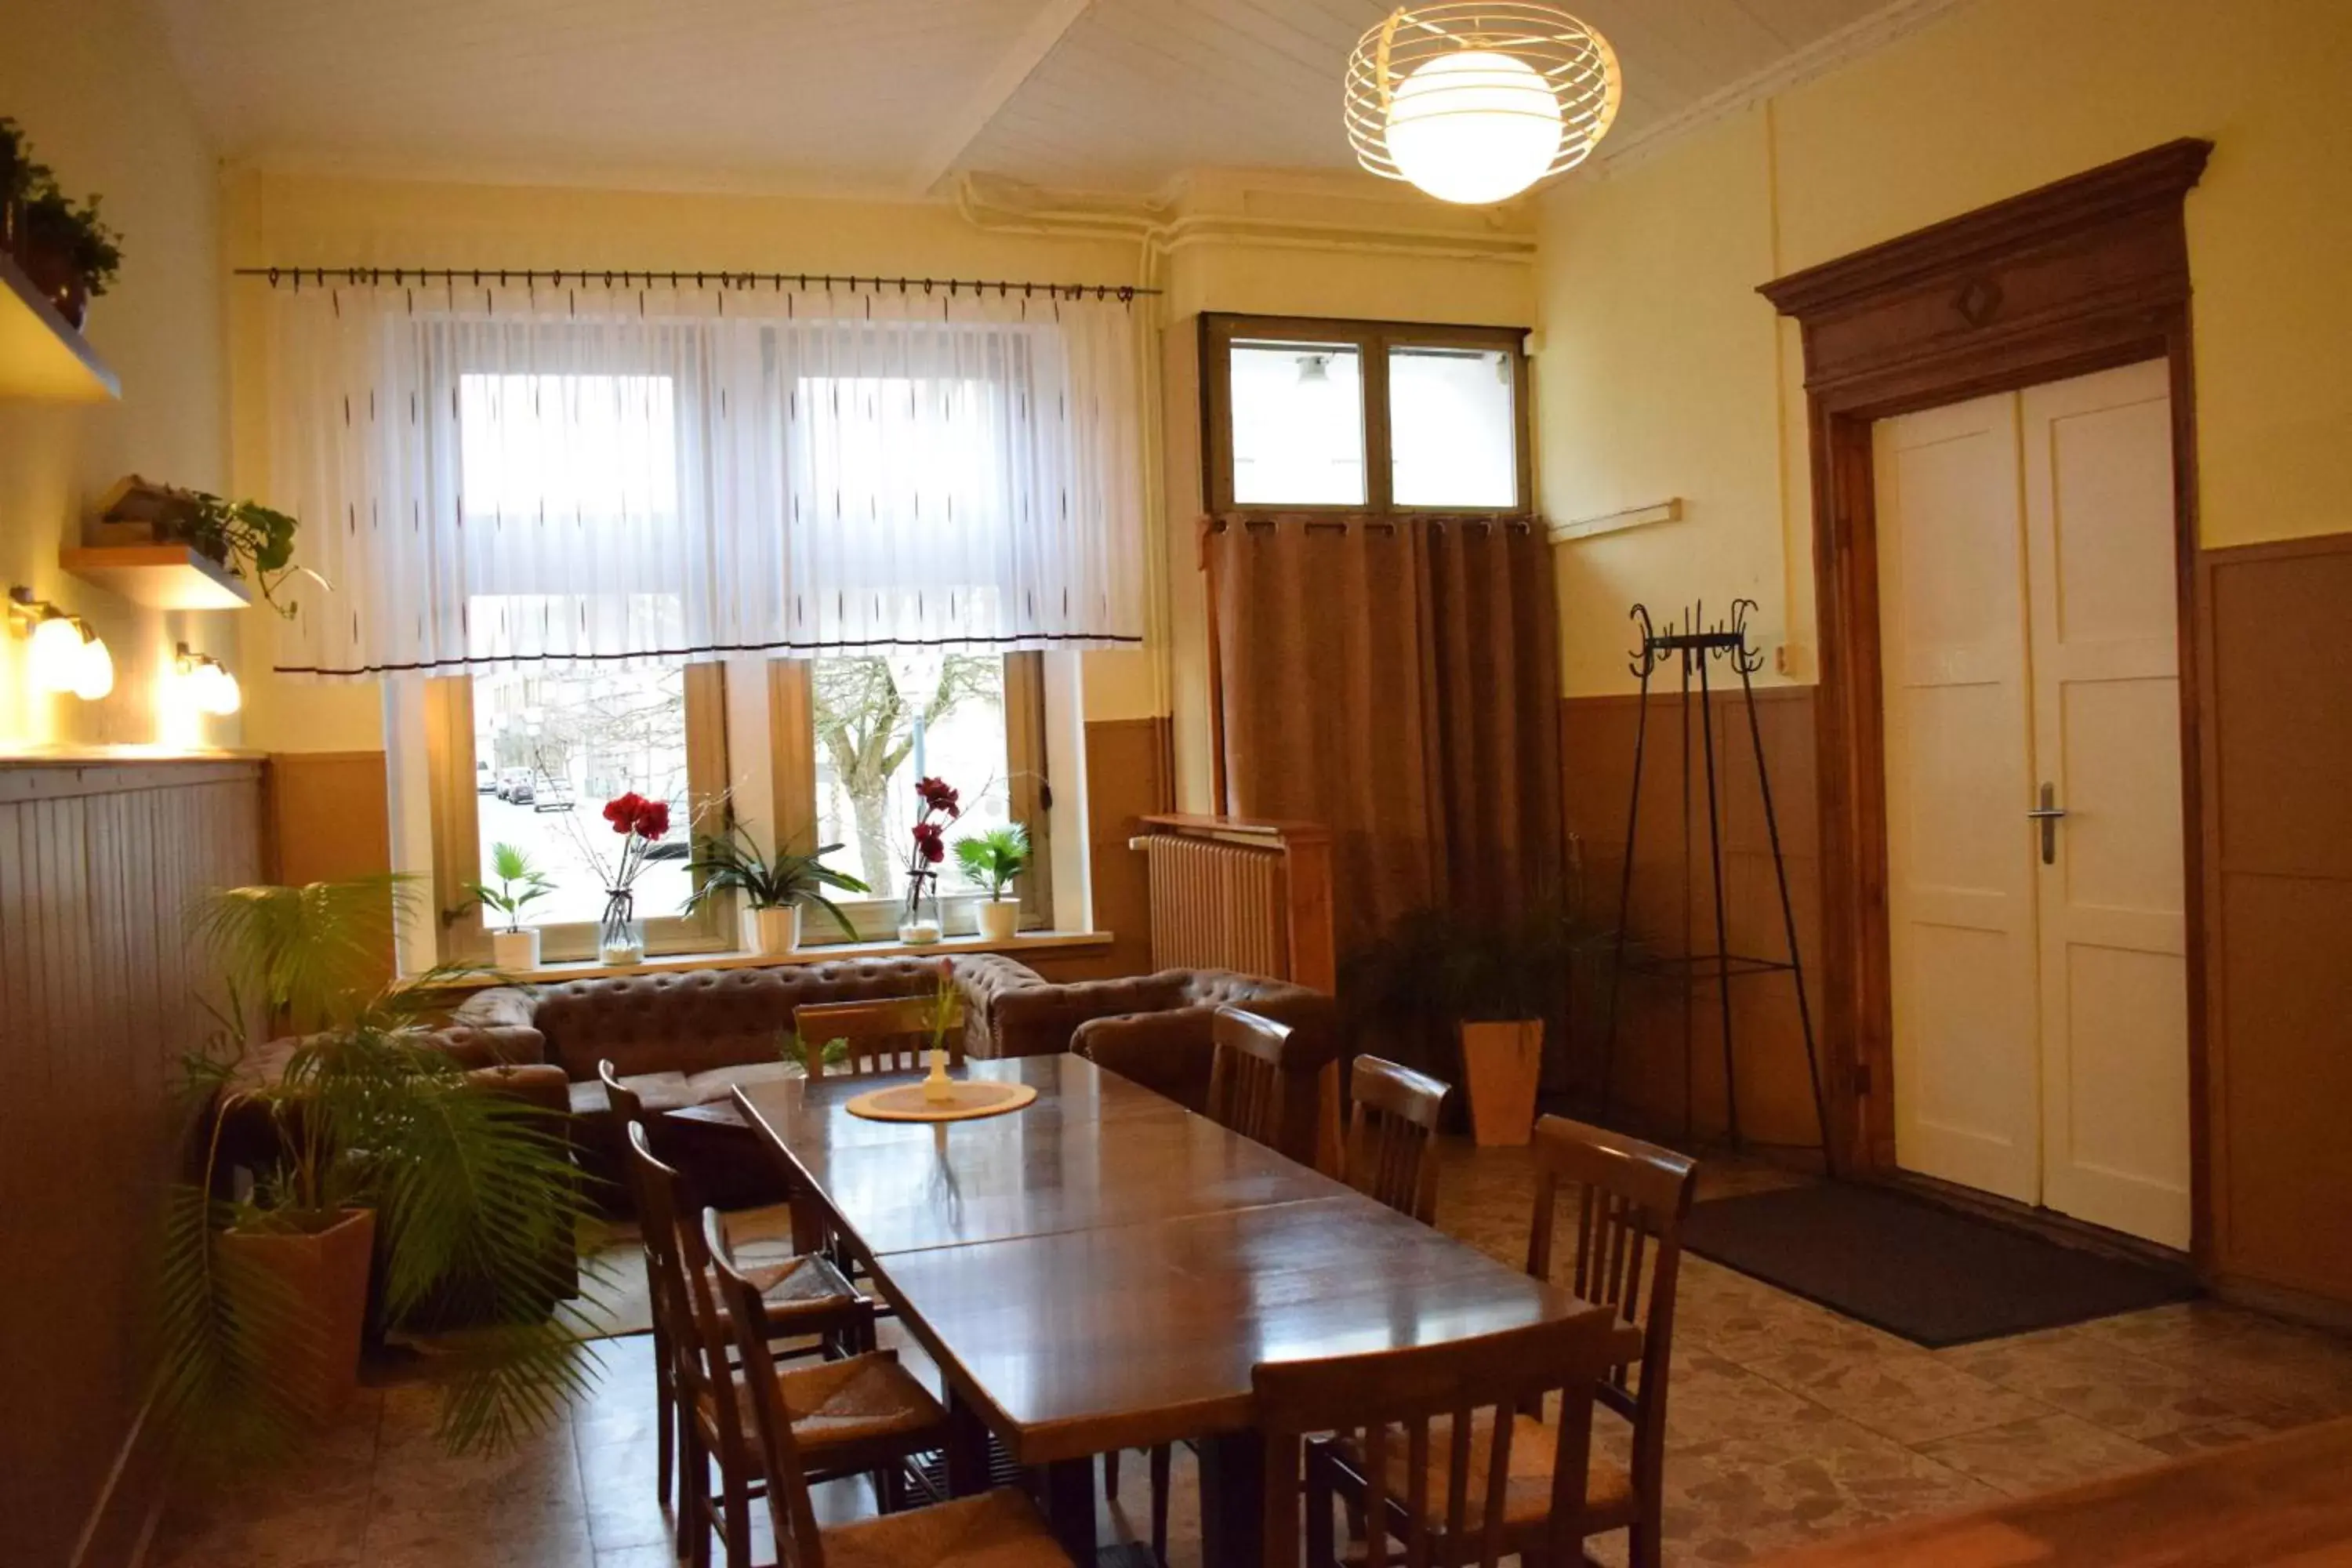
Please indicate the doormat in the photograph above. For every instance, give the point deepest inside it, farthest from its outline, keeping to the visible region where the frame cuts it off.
(1930, 1274)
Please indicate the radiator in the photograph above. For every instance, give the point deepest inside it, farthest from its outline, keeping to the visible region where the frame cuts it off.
(1230, 893)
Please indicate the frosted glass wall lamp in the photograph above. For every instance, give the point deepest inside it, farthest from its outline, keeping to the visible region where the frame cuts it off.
(63, 653)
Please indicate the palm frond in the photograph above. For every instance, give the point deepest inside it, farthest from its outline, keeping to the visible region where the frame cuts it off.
(306, 949)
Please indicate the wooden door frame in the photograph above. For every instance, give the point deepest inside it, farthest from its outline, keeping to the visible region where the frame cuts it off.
(2084, 275)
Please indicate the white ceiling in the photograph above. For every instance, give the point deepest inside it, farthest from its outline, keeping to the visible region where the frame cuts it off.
(872, 95)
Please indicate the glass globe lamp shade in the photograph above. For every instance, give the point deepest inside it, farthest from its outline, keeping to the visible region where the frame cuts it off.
(54, 654)
(93, 669)
(217, 692)
(1474, 126)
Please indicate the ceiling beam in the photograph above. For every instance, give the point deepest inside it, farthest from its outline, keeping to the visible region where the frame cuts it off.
(993, 90)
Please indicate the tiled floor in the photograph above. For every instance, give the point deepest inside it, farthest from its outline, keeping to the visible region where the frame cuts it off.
(1787, 1423)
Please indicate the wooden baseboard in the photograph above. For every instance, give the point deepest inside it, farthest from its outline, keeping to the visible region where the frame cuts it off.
(2282, 1301)
(2043, 1223)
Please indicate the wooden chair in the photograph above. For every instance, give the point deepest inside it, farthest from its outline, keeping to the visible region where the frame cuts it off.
(802, 1298)
(1392, 1136)
(859, 1414)
(1001, 1528)
(1631, 1199)
(1263, 1082)
(1430, 1450)
(892, 1034)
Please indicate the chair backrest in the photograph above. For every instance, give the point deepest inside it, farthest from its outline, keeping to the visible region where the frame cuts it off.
(1632, 1200)
(1264, 1074)
(891, 1034)
(1392, 1136)
(790, 1515)
(628, 1111)
(679, 1262)
(1392, 1405)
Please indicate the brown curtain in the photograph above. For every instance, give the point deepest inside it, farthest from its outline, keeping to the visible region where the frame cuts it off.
(1398, 680)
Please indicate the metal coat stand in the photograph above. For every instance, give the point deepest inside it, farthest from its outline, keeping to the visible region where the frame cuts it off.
(1692, 649)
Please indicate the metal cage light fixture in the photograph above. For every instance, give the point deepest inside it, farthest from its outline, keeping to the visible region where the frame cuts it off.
(1473, 102)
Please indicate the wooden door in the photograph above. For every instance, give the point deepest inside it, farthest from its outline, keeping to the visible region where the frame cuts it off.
(1958, 767)
(2031, 662)
(2106, 741)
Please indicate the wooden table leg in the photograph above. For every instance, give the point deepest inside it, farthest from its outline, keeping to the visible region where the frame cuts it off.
(1233, 1497)
(967, 1450)
(1069, 1487)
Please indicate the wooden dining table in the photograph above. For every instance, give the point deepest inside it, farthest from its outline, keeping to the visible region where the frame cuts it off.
(1103, 1269)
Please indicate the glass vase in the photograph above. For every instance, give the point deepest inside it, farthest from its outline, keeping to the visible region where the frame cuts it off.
(920, 922)
(620, 935)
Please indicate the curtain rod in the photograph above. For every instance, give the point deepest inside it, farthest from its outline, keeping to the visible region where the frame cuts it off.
(629, 278)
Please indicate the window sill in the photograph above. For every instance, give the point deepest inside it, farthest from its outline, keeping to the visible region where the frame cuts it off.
(551, 973)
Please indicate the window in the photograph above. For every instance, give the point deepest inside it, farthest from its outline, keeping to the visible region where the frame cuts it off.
(864, 728)
(1363, 415)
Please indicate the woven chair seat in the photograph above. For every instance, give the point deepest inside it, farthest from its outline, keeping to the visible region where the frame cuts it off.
(798, 1289)
(1000, 1530)
(1527, 1497)
(860, 1399)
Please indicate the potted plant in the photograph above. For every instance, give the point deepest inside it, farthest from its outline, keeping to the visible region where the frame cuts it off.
(1492, 985)
(371, 1153)
(992, 860)
(521, 885)
(20, 176)
(252, 541)
(775, 887)
(69, 252)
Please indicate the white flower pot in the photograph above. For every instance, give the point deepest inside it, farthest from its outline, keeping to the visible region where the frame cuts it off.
(1000, 918)
(515, 951)
(774, 931)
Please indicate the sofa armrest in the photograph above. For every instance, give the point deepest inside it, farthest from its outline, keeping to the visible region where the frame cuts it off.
(1168, 1053)
(494, 1028)
(541, 1084)
(1042, 1020)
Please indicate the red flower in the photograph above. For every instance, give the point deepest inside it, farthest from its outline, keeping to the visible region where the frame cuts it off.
(930, 842)
(622, 811)
(652, 819)
(936, 795)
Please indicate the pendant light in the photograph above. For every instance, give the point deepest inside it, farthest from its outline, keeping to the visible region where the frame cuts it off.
(1475, 102)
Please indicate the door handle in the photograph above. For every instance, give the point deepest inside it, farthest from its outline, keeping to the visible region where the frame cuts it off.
(2047, 814)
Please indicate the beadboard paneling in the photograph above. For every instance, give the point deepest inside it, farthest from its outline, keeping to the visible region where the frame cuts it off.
(97, 996)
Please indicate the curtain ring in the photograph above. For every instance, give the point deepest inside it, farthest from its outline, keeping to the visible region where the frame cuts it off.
(273, 278)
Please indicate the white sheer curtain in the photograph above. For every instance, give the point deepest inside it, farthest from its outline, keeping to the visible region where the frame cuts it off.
(493, 477)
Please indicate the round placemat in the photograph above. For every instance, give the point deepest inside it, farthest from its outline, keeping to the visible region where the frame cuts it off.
(969, 1098)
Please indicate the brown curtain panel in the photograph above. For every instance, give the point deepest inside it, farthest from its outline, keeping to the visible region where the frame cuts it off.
(1397, 680)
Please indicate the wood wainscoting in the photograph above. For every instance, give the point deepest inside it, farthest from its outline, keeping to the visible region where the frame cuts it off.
(1597, 745)
(2277, 675)
(99, 991)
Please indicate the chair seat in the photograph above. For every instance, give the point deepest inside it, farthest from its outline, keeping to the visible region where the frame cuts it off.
(860, 1399)
(1609, 1501)
(806, 1289)
(999, 1530)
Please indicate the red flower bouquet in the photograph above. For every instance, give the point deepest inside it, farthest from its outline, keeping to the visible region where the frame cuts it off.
(642, 823)
(936, 804)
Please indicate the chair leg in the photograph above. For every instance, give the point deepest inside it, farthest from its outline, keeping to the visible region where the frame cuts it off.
(891, 1487)
(1161, 1457)
(666, 1413)
(1321, 1547)
(1110, 1475)
(1643, 1547)
(739, 1520)
(694, 1509)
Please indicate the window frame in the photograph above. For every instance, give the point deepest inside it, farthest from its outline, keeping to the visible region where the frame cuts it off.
(791, 731)
(455, 806)
(1372, 341)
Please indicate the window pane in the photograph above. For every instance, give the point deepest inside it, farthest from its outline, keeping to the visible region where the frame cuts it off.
(587, 446)
(1451, 428)
(551, 748)
(1298, 424)
(882, 722)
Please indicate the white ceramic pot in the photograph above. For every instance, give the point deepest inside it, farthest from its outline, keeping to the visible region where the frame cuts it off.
(774, 930)
(1000, 918)
(515, 951)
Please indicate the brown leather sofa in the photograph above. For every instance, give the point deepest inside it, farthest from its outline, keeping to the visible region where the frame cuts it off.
(1155, 1028)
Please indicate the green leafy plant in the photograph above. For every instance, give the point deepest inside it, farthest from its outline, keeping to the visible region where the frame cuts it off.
(252, 540)
(476, 1198)
(732, 861)
(521, 885)
(805, 1054)
(92, 249)
(993, 858)
(20, 176)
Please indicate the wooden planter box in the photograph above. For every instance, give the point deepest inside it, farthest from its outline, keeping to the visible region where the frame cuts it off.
(1502, 1063)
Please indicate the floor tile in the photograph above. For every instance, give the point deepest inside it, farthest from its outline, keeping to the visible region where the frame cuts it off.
(2122, 1392)
(1909, 1396)
(2040, 1455)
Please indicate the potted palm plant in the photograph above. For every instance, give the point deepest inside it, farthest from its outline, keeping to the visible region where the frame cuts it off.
(521, 885)
(775, 887)
(992, 860)
(380, 1172)
(69, 252)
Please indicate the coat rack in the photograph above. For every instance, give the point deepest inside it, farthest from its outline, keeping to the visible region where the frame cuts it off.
(1692, 649)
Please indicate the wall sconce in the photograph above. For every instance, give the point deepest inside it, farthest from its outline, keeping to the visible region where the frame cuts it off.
(66, 654)
(210, 688)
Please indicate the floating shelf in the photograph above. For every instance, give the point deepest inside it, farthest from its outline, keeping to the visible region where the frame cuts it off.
(40, 356)
(160, 577)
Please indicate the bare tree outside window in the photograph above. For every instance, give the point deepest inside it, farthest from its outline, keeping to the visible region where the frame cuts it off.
(869, 718)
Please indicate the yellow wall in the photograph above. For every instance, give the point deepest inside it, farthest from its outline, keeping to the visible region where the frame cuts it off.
(1663, 374)
(93, 86)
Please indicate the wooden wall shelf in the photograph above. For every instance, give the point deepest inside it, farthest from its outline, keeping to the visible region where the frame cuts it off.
(40, 356)
(160, 577)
